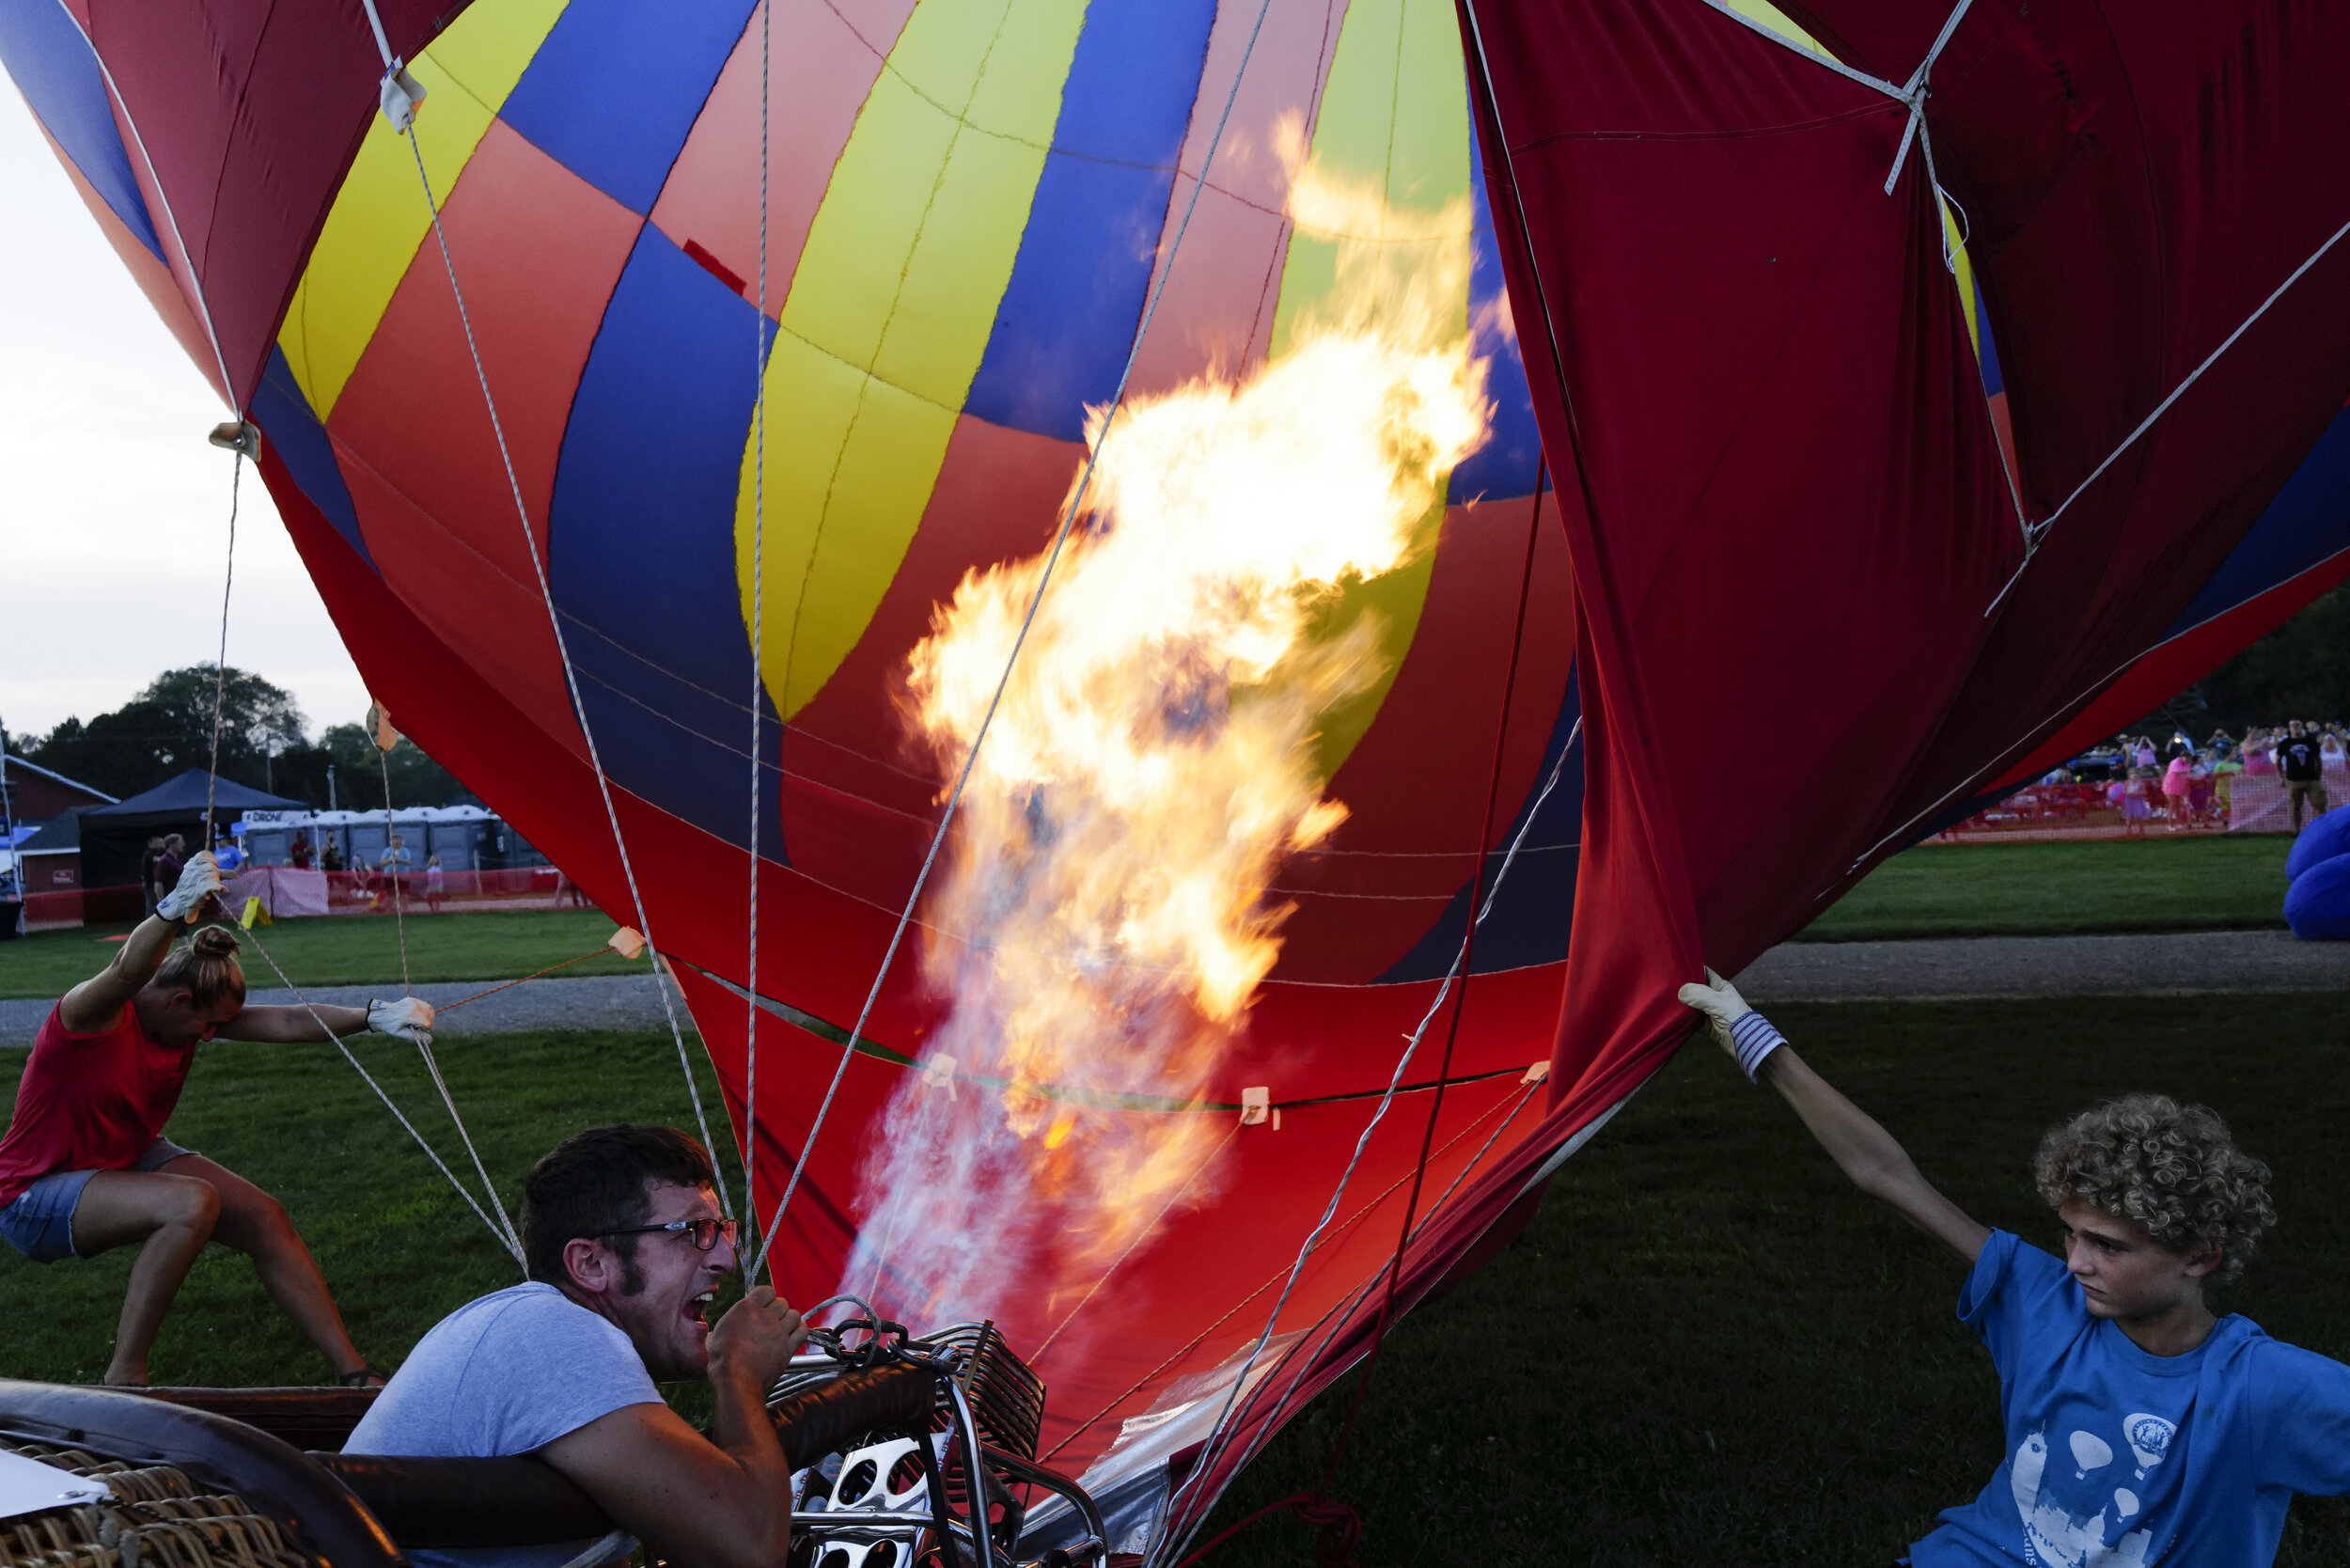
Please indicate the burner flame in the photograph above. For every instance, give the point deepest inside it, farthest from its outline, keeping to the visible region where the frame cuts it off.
(1101, 921)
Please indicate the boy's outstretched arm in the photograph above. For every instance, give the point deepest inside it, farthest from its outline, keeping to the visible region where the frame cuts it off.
(1867, 1152)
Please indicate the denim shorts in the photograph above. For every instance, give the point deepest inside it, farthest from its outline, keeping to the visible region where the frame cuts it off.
(39, 1222)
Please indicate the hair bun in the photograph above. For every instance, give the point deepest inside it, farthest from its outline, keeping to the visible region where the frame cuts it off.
(214, 942)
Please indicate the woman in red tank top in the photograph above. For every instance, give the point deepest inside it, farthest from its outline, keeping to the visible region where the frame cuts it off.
(84, 1167)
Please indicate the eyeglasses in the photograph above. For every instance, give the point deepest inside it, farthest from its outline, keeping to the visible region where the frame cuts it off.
(704, 1233)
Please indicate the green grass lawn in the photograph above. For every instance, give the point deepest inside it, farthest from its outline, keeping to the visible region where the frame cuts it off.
(2214, 883)
(348, 950)
(2203, 884)
(399, 1246)
(1706, 1348)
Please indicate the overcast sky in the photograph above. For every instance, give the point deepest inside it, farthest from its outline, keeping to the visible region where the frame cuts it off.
(113, 508)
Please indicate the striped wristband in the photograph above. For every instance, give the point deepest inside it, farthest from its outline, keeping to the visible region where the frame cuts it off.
(1752, 1038)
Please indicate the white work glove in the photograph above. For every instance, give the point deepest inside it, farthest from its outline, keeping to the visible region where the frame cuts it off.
(409, 1019)
(1746, 1034)
(198, 881)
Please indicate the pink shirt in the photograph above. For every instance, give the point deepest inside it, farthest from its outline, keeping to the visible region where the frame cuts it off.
(89, 1102)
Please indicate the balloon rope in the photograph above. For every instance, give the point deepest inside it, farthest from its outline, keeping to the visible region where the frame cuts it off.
(211, 782)
(759, 635)
(535, 974)
(1052, 560)
(220, 666)
(1219, 1434)
(504, 1238)
(1369, 1207)
(562, 649)
(389, 867)
(1302, 1354)
(1452, 1028)
(400, 912)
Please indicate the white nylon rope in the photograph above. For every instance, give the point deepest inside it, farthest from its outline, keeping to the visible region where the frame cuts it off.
(555, 622)
(504, 1238)
(507, 1237)
(400, 913)
(424, 1049)
(1830, 61)
(122, 105)
(2163, 407)
(1915, 94)
(220, 666)
(759, 635)
(1217, 1433)
(1060, 539)
(1335, 1317)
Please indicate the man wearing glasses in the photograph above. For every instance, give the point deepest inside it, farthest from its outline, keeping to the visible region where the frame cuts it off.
(625, 1250)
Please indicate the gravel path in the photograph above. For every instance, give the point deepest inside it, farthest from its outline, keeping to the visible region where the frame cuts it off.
(2168, 965)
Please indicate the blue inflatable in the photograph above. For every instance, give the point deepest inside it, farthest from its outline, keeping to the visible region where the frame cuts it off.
(2325, 836)
(2317, 905)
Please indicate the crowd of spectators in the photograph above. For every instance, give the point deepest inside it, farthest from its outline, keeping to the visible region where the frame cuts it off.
(2186, 785)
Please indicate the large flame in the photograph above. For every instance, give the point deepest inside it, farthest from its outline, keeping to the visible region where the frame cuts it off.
(1103, 923)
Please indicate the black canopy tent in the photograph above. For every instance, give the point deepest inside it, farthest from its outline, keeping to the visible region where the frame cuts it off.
(115, 837)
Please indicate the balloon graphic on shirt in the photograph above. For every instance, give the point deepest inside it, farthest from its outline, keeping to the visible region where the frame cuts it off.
(2090, 1452)
(2031, 1459)
(2060, 1536)
(2149, 1438)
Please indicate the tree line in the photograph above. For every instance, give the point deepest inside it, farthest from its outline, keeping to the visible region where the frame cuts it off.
(264, 744)
(2301, 670)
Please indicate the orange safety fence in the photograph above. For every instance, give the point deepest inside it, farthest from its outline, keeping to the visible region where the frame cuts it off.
(287, 893)
(2141, 808)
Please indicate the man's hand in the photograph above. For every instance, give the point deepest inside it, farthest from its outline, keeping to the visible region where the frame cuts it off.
(756, 1339)
(198, 881)
(408, 1018)
(1746, 1034)
(721, 1501)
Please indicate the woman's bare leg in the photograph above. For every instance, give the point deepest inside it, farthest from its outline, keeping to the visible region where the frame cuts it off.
(173, 1216)
(256, 1225)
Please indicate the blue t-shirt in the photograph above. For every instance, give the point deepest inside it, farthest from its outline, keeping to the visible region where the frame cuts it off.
(506, 1374)
(2118, 1458)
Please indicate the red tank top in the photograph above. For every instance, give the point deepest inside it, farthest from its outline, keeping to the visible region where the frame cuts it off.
(89, 1102)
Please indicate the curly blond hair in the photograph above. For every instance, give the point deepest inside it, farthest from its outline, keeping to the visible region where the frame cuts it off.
(2174, 1168)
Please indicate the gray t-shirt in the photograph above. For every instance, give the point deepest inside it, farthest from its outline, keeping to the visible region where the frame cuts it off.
(506, 1374)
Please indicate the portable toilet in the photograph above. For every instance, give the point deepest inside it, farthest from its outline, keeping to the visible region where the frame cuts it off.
(508, 848)
(332, 827)
(458, 834)
(267, 836)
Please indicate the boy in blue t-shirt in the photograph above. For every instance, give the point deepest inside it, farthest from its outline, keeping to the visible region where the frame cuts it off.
(2140, 1428)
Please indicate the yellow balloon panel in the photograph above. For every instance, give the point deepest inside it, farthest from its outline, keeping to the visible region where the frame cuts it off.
(1391, 140)
(888, 317)
(380, 216)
